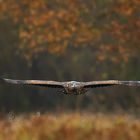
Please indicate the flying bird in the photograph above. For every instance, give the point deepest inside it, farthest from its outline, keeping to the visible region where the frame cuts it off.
(71, 87)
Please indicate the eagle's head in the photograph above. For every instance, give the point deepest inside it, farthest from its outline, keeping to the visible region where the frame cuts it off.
(73, 84)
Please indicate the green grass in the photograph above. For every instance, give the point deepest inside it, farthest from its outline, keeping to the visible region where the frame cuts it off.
(70, 127)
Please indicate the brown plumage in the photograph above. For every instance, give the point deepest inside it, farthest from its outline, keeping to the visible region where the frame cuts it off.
(72, 87)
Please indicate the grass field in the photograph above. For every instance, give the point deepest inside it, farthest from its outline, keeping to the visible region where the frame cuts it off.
(70, 126)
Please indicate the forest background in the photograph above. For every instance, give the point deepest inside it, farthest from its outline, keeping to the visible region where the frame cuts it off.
(69, 40)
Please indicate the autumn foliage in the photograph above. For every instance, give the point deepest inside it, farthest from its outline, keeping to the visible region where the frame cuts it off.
(54, 25)
(93, 40)
(48, 25)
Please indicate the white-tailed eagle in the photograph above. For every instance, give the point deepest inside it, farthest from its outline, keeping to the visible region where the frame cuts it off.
(72, 87)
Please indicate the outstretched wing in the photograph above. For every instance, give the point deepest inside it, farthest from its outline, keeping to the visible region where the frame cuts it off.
(53, 84)
(93, 84)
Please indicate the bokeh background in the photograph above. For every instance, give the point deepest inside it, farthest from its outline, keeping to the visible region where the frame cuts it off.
(69, 40)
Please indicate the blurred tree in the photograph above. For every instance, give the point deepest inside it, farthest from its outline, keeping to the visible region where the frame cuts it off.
(49, 25)
(108, 30)
(124, 29)
(53, 25)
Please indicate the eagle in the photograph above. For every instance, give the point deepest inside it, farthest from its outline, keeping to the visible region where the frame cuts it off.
(71, 87)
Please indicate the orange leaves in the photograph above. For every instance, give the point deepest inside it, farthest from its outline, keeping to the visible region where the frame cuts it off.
(54, 26)
(127, 10)
(46, 25)
(125, 28)
(11, 8)
(43, 23)
(36, 4)
(127, 7)
(114, 53)
(58, 48)
(50, 37)
(127, 32)
(86, 34)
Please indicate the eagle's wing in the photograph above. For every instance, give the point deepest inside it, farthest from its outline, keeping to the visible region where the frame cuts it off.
(93, 84)
(53, 84)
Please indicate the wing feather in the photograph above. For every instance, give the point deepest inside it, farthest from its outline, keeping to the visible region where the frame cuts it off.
(53, 84)
(93, 84)
(34, 82)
